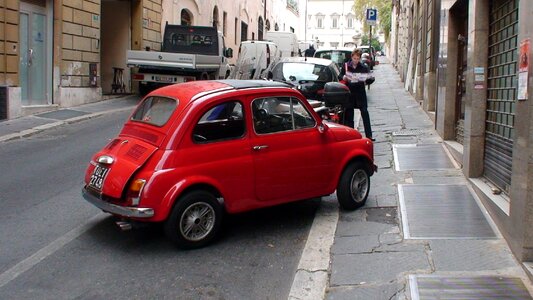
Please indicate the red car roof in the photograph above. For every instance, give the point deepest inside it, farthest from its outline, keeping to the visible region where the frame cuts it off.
(187, 91)
(184, 92)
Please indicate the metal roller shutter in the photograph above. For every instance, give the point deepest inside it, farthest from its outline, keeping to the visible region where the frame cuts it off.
(502, 88)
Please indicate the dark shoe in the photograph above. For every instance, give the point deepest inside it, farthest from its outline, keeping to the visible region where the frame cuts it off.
(372, 139)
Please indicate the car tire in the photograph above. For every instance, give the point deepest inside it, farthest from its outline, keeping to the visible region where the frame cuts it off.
(354, 186)
(195, 220)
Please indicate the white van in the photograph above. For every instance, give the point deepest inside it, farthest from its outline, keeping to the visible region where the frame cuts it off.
(254, 57)
(287, 42)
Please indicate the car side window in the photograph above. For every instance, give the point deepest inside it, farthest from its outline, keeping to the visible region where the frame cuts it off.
(222, 122)
(277, 114)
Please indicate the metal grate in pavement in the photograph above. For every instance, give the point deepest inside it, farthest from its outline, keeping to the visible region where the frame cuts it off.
(407, 132)
(441, 211)
(421, 157)
(62, 114)
(467, 288)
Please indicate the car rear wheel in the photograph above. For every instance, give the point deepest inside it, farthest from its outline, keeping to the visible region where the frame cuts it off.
(353, 187)
(195, 220)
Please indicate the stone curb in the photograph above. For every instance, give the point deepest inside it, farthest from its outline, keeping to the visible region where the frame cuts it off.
(311, 278)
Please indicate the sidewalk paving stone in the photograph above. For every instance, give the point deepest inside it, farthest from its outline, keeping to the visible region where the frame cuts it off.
(371, 292)
(380, 267)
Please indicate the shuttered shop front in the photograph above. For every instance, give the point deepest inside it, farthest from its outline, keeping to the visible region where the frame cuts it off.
(502, 91)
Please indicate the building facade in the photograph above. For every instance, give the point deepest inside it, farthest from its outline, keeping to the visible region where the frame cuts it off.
(330, 23)
(62, 53)
(467, 63)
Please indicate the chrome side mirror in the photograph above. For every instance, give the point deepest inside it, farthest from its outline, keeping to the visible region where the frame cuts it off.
(322, 127)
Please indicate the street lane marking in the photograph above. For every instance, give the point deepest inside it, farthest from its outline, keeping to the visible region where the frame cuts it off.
(48, 250)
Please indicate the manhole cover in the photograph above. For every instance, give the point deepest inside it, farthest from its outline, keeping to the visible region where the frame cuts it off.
(441, 211)
(406, 132)
(62, 114)
(421, 157)
(477, 287)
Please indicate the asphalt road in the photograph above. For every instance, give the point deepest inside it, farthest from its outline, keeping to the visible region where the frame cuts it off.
(55, 245)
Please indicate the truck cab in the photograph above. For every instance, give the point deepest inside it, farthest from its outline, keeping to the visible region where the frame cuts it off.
(188, 53)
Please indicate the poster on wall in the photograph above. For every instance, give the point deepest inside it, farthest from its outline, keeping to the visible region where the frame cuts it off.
(523, 69)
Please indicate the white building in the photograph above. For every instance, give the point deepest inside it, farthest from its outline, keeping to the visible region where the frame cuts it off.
(330, 23)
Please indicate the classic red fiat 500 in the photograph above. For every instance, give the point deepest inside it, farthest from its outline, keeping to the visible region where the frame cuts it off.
(193, 151)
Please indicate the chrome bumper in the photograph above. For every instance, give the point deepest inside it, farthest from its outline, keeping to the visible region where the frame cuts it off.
(130, 212)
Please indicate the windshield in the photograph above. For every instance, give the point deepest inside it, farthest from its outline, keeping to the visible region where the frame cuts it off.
(190, 39)
(296, 71)
(338, 57)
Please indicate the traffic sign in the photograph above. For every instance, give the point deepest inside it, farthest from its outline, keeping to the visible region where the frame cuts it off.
(371, 16)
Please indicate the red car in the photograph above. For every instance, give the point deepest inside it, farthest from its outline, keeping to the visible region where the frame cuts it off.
(192, 152)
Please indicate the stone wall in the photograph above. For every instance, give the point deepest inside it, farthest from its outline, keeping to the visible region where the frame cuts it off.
(80, 41)
(9, 42)
(151, 24)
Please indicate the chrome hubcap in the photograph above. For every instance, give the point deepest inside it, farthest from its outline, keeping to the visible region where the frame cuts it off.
(197, 221)
(359, 185)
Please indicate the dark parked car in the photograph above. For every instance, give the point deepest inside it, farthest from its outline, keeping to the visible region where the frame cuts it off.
(338, 55)
(308, 74)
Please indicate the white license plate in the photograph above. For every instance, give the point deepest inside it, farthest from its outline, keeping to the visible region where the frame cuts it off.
(98, 177)
(164, 78)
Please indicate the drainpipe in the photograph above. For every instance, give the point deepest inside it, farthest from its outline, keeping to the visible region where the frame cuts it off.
(5, 42)
(57, 49)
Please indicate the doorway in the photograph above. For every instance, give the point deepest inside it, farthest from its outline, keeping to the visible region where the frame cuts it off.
(116, 40)
(33, 34)
(460, 14)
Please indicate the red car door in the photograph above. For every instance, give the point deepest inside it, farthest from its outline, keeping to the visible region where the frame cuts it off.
(289, 153)
(217, 150)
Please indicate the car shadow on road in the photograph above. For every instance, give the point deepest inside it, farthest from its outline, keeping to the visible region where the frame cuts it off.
(277, 226)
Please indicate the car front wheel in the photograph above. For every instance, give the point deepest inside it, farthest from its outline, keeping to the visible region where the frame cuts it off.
(353, 187)
(195, 220)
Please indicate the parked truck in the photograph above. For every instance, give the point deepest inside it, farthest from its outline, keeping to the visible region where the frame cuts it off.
(188, 53)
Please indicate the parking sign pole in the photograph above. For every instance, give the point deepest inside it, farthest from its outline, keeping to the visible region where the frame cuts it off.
(370, 38)
(371, 18)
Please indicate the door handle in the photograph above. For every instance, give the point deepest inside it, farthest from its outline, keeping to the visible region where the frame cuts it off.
(30, 57)
(257, 148)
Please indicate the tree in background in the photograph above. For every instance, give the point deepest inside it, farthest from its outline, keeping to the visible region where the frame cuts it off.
(375, 42)
(384, 8)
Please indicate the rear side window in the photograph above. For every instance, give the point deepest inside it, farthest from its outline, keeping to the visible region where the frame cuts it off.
(155, 110)
(222, 122)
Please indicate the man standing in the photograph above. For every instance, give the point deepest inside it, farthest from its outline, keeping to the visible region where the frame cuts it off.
(355, 74)
(310, 52)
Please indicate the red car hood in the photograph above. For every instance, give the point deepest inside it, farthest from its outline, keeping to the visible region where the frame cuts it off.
(128, 155)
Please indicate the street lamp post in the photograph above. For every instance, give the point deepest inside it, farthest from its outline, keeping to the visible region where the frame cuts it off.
(305, 22)
(342, 25)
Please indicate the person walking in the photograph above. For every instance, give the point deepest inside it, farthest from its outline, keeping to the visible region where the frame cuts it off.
(310, 52)
(355, 75)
